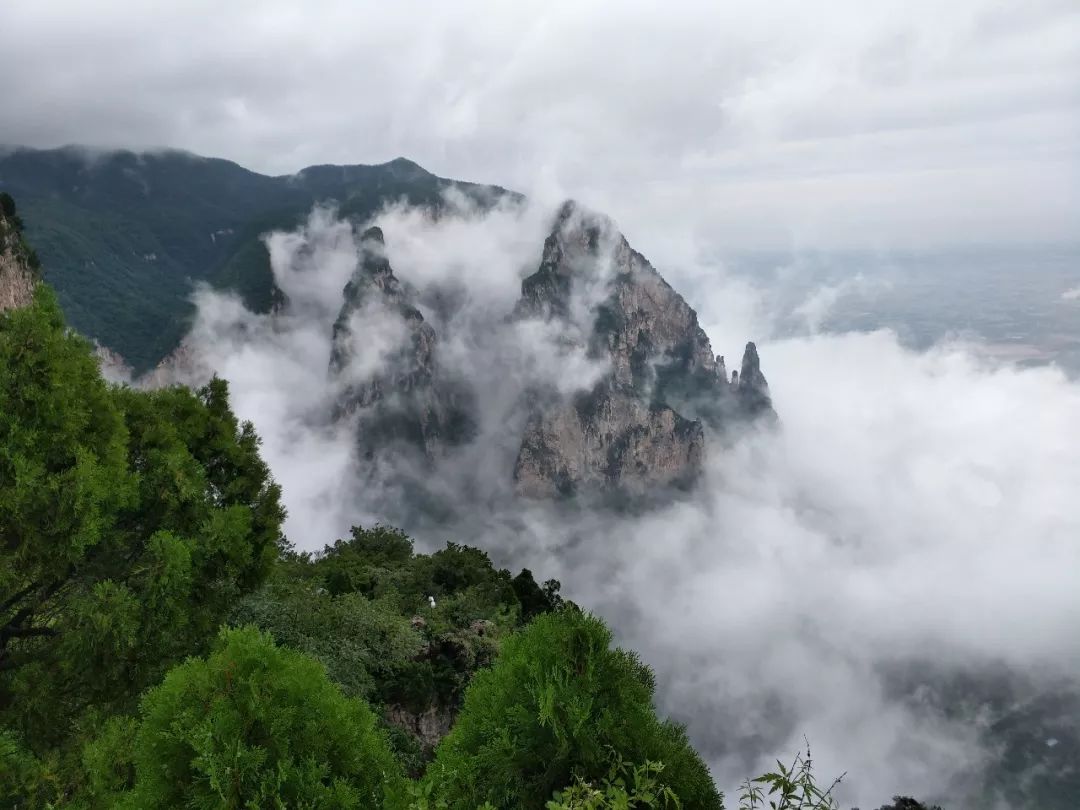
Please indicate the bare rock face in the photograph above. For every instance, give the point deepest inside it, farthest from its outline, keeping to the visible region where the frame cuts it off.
(399, 389)
(428, 726)
(606, 440)
(17, 278)
(640, 428)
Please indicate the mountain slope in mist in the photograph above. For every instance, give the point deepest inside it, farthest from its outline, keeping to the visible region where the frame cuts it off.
(413, 367)
(124, 235)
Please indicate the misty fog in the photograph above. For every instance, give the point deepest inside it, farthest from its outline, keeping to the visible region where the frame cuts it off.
(912, 507)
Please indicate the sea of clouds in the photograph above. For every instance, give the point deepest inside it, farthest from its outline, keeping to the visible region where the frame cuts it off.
(914, 512)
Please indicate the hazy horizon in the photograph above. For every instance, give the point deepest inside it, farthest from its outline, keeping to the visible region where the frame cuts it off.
(780, 124)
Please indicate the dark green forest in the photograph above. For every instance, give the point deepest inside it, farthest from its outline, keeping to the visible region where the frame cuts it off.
(163, 646)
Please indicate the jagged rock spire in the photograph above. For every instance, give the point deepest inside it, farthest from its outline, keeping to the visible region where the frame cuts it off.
(403, 395)
(752, 389)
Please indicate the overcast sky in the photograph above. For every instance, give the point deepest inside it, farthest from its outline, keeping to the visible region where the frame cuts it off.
(786, 124)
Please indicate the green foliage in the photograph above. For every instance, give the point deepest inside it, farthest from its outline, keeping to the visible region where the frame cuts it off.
(7, 205)
(361, 608)
(108, 763)
(476, 605)
(789, 787)
(552, 710)
(907, 803)
(254, 725)
(534, 599)
(24, 778)
(129, 521)
(362, 643)
(626, 786)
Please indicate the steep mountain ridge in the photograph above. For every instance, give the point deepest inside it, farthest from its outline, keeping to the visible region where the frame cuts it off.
(125, 236)
(403, 396)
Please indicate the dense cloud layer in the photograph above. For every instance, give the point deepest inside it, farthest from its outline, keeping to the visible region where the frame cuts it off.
(778, 123)
(912, 507)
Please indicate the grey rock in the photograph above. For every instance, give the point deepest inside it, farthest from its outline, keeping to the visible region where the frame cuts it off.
(607, 441)
(406, 399)
(751, 388)
(641, 428)
(17, 279)
(428, 726)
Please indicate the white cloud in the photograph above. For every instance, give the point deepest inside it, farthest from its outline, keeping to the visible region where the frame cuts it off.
(771, 123)
(914, 508)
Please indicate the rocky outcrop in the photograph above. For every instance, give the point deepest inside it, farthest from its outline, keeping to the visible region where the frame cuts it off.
(751, 388)
(385, 357)
(607, 440)
(428, 726)
(641, 428)
(18, 274)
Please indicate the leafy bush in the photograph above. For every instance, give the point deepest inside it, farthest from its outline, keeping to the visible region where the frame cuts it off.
(789, 787)
(362, 643)
(256, 725)
(131, 522)
(554, 707)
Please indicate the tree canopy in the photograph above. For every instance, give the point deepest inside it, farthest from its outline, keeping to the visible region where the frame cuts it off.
(130, 522)
(556, 706)
(253, 725)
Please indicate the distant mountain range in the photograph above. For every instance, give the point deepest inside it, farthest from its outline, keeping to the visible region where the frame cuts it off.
(123, 236)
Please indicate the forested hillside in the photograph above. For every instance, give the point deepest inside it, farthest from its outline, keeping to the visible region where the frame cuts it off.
(123, 236)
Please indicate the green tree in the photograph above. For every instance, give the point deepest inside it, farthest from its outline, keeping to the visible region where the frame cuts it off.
(252, 726)
(7, 205)
(534, 599)
(362, 643)
(556, 706)
(129, 522)
(907, 803)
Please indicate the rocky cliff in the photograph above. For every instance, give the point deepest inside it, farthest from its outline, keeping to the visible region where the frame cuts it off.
(641, 427)
(399, 391)
(655, 395)
(18, 264)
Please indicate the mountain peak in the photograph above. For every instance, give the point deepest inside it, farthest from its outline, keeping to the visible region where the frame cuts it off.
(751, 389)
(373, 234)
(640, 429)
(404, 164)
